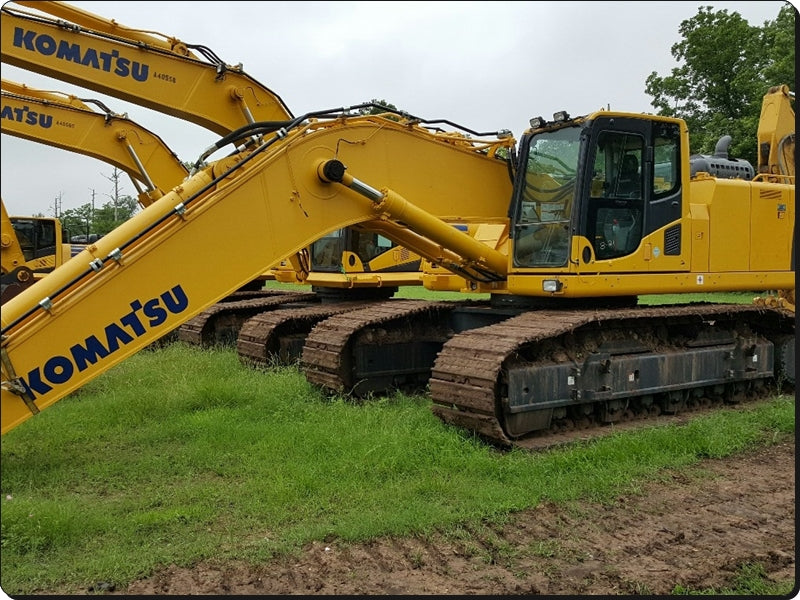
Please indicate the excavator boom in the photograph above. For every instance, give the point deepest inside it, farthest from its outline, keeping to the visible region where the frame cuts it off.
(136, 284)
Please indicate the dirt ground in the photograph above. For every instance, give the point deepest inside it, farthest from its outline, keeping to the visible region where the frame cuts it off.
(694, 529)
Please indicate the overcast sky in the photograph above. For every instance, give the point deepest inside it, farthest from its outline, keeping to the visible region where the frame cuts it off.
(485, 65)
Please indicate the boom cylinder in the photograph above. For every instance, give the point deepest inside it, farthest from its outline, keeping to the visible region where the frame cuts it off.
(398, 208)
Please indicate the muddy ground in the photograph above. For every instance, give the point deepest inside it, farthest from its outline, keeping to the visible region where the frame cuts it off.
(693, 529)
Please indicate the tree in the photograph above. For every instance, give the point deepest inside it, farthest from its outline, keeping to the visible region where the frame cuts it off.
(78, 221)
(374, 110)
(118, 210)
(725, 67)
(87, 220)
(112, 214)
(778, 39)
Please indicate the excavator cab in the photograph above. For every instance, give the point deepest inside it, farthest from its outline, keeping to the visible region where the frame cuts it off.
(594, 178)
(38, 237)
(359, 250)
(32, 247)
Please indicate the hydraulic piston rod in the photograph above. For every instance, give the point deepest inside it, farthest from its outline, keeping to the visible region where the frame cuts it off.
(398, 208)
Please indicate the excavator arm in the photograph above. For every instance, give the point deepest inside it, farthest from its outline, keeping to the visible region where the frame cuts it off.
(776, 136)
(136, 283)
(67, 122)
(172, 77)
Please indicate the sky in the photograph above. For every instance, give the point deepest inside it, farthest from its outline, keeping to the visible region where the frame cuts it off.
(484, 65)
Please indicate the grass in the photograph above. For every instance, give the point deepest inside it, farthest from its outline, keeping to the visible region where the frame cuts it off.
(750, 580)
(180, 454)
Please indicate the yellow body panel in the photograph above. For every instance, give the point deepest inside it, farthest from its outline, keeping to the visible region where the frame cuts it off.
(741, 225)
(729, 224)
(771, 226)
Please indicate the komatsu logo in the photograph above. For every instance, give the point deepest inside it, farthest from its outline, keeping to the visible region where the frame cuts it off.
(109, 62)
(27, 116)
(144, 316)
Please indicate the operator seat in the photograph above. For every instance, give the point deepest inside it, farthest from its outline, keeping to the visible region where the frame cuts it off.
(629, 183)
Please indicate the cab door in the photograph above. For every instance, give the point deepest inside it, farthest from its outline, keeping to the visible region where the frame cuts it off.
(632, 208)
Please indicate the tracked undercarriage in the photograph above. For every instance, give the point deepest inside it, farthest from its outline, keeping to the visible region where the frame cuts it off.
(276, 337)
(386, 345)
(516, 377)
(363, 346)
(544, 371)
(220, 323)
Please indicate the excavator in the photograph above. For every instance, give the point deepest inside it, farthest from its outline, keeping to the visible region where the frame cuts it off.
(34, 246)
(192, 83)
(598, 209)
(30, 248)
(280, 337)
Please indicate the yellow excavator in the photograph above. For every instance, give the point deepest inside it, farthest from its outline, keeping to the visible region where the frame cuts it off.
(34, 246)
(599, 209)
(192, 83)
(30, 248)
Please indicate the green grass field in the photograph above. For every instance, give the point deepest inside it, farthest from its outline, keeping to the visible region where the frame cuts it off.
(180, 454)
